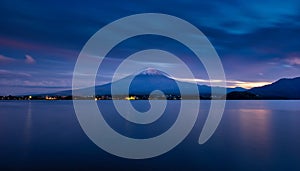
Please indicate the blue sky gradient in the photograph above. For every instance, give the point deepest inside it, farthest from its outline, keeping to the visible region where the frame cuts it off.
(258, 42)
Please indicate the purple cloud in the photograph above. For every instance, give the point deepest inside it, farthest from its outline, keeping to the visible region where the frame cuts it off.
(29, 59)
(5, 59)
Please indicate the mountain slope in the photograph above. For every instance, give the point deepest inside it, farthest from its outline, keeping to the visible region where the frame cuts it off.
(282, 89)
(147, 81)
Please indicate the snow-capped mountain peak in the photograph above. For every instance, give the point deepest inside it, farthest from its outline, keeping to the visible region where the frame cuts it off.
(153, 71)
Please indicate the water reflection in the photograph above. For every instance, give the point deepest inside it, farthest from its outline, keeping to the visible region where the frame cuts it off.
(255, 129)
(28, 122)
(253, 135)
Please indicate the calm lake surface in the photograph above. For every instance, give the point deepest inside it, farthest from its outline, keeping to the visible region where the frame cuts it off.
(253, 135)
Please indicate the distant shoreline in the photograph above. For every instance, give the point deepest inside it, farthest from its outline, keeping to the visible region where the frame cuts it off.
(131, 97)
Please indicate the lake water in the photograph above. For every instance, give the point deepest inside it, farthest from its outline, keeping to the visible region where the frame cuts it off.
(253, 135)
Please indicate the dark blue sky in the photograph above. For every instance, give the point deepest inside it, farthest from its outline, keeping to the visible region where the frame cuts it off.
(40, 40)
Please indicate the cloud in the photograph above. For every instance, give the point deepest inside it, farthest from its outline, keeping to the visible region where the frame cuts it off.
(29, 59)
(5, 59)
(251, 37)
(53, 50)
(12, 74)
(293, 61)
(247, 85)
(230, 83)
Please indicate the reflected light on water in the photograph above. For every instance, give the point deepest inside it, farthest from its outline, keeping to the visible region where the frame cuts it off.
(255, 128)
(28, 122)
(253, 135)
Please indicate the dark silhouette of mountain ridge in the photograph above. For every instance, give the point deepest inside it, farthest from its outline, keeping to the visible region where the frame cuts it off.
(286, 88)
(145, 82)
(150, 79)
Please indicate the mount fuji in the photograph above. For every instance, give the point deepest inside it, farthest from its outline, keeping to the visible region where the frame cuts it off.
(145, 82)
